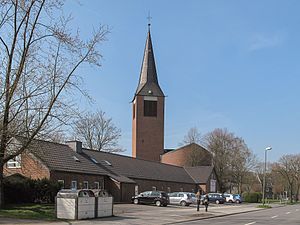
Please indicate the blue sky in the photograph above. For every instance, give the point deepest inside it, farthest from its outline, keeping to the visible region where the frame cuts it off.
(222, 64)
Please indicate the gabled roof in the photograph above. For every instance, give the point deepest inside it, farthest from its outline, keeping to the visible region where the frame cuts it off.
(200, 174)
(148, 83)
(142, 169)
(60, 157)
(184, 147)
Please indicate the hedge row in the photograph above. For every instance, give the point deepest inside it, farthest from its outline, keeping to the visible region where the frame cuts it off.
(19, 189)
(253, 197)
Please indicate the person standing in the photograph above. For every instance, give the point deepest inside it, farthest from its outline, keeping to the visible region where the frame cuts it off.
(198, 196)
(206, 202)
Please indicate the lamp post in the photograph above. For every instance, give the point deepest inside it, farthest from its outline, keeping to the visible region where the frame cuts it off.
(264, 180)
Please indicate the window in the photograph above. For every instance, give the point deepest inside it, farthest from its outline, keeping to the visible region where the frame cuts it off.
(169, 190)
(85, 184)
(136, 190)
(153, 188)
(181, 189)
(74, 185)
(155, 194)
(150, 108)
(61, 183)
(15, 162)
(96, 185)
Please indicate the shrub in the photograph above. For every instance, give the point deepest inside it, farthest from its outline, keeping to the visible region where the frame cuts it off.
(19, 189)
(252, 197)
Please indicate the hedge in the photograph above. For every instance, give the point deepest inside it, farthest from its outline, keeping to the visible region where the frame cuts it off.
(19, 189)
(253, 197)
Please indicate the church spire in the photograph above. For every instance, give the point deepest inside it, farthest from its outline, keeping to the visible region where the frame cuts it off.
(148, 83)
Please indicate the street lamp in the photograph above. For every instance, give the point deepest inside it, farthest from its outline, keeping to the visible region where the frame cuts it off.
(264, 180)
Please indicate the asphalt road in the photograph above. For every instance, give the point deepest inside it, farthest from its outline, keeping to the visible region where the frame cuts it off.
(288, 215)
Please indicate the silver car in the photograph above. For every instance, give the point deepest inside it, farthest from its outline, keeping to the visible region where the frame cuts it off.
(180, 198)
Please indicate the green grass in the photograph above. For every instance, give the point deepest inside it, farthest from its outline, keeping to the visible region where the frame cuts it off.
(264, 206)
(29, 211)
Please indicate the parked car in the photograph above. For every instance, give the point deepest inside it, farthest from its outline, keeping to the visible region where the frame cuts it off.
(214, 198)
(181, 198)
(193, 197)
(159, 198)
(229, 197)
(233, 198)
(237, 198)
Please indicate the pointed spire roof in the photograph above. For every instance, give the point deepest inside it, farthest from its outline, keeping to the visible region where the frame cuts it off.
(148, 83)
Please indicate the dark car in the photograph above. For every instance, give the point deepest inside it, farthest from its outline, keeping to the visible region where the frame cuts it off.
(214, 198)
(159, 198)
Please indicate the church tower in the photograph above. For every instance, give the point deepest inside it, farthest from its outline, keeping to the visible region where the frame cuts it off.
(148, 110)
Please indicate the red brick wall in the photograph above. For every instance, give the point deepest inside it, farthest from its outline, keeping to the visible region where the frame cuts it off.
(146, 185)
(68, 177)
(31, 167)
(147, 132)
(176, 157)
(181, 156)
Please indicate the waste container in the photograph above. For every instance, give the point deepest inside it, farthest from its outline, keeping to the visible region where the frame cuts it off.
(104, 204)
(75, 204)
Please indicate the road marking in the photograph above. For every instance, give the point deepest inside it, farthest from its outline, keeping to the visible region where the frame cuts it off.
(287, 212)
(274, 216)
(250, 223)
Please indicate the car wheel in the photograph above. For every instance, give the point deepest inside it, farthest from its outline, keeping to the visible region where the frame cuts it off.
(238, 201)
(230, 201)
(183, 203)
(158, 203)
(136, 201)
(217, 201)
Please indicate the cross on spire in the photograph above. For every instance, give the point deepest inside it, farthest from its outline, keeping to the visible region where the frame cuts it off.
(149, 19)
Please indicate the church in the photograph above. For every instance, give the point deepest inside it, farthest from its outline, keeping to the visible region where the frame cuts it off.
(151, 167)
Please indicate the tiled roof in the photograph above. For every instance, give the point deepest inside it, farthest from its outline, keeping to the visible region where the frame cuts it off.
(61, 157)
(200, 174)
(142, 169)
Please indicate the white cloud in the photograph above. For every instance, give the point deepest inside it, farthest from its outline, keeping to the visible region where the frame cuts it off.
(261, 41)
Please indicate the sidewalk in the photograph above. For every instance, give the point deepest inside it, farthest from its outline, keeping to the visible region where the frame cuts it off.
(141, 214)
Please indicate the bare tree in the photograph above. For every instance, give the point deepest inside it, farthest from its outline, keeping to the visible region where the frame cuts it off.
(193, 136)
(232, 158)
(98, 132)
(285, 167)
(39, 56)
(296, 171)
(242, 161)
(219, 143)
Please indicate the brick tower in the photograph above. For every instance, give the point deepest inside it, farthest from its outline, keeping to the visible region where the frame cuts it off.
(148, 110)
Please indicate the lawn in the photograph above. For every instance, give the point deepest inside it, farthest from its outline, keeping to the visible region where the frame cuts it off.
(29, 211)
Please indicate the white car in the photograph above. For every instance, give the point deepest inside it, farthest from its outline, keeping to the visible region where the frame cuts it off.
(180, 198)
(229, 197)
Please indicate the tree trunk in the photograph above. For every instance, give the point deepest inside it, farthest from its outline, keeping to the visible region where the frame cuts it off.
(1, 186)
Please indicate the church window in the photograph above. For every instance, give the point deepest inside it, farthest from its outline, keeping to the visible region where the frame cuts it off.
(150, 108)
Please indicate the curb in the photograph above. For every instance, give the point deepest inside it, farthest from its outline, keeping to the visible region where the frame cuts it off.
(217, 216)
